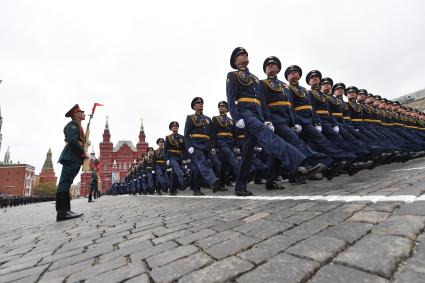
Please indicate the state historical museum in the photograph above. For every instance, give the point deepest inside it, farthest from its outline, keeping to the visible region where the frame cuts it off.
(114, 160)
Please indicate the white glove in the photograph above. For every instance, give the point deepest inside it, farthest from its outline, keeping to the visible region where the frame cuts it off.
(153, 172)
(257, 148)
(319, 128)
(213, 151)
(240, 124)
(298, 128)
(191, 150)
(357, 130)
(237, 150)
(168, 162)
(269, 125)
(336, 129)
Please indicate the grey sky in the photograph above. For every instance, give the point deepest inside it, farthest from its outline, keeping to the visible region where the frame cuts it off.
(150, 58)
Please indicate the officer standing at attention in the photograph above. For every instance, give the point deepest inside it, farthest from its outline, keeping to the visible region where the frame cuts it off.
(71, 159)
(200, 141)
(246, 108)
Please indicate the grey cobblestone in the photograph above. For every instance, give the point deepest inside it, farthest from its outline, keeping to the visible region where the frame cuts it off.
(171, 236)
(268, 248)
(373, 217)
(143, 254)
(38, 270)
(171, 255)
(217, 238)
(318, 248)
(281, 268)
(406, 225)
(188, 239)
(263, 229)
(348, 231)
(178, 268)
(231, 246)
(229, 268)
(343, 274)
(163, 239)
(416, 208)
(377, 254)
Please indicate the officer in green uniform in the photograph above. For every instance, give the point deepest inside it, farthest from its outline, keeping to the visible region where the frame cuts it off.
(71, 159)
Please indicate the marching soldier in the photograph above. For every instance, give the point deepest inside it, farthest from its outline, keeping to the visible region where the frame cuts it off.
(94, 180)
(280, 111)
(71, 159)
(160, 166)
(200, 142)
(246, 108)
(149, 171)
(224, 130)
(173, 154)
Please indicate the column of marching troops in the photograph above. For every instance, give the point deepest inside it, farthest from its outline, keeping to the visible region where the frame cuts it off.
(277, 130)
(11, 200)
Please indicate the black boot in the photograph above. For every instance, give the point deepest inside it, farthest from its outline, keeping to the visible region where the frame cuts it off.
(63, 207)
(274, 186)
(90, 198)
(216, 186)
(309, 171)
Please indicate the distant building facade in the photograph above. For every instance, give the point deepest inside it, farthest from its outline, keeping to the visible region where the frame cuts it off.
(415, 99)
(115, 160)
(1, 122)
(17, 179)
(47, 174)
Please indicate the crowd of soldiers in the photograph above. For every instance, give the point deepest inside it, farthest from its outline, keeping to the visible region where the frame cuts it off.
(7, 200)
(278, 131)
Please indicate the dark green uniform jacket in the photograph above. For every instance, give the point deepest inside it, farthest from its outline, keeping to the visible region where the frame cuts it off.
(74, 138)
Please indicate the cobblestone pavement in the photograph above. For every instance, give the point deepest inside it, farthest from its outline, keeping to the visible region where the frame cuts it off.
(169, 239)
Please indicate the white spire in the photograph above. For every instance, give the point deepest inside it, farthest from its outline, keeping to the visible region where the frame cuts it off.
(141, 125)
(107, 125)
(7, 156)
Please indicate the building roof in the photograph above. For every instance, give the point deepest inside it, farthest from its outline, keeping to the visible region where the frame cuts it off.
(48, 164)
(121, 143)
(417, 95)
(11, 165)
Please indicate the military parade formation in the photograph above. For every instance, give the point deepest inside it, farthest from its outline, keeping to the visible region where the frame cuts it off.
(7, 200)
(276, 131)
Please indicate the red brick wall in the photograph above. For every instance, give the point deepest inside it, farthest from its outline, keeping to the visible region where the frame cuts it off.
(12, 179)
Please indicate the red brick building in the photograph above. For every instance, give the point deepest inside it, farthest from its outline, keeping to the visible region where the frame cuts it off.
(115, 160)
(17, 179)
(47, 174)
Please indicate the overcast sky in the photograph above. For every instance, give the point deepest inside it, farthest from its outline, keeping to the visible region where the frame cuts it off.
(148, 59)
